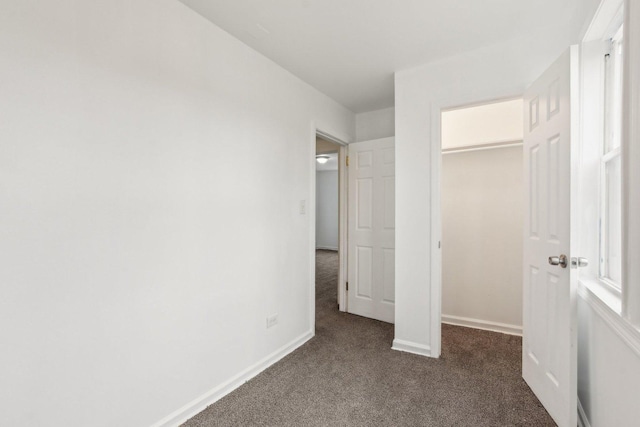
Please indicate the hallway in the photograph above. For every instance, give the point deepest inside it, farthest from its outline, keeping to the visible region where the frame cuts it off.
(347, 375)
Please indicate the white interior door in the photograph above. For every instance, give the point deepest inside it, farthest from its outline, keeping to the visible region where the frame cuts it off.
(549, 357)
(371, 271)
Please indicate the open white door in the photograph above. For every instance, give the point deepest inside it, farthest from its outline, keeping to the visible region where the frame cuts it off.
(371, 235)
(549, 355)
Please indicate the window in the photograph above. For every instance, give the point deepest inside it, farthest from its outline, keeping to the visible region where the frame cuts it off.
(611, 168)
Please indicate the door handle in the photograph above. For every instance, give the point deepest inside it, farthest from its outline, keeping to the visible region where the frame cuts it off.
(558, 260)
(579, 262)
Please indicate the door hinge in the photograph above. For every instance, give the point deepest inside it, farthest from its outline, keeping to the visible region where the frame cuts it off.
(347, 161)
(347, 286)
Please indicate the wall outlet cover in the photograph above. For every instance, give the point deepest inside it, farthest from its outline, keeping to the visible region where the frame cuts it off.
(272, 320)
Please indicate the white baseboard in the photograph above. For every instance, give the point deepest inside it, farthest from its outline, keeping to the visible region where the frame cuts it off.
(583, 421)
(411, 347)
(199, 404)
(482, 324)
(327, 248)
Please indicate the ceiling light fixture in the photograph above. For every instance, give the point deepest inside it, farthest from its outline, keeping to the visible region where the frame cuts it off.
(322, 159)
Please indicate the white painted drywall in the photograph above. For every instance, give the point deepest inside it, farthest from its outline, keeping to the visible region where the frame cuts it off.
(482, 211)
(375, 124)
(327, 209)
(496, 72)
(151, 172)
(631, 159)
(491, 123)
(608, 371)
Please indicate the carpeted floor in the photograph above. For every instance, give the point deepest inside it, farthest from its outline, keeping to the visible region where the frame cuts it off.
(347, 375)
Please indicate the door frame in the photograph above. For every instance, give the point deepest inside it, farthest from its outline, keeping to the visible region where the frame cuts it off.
(342, 141)
(435, 261)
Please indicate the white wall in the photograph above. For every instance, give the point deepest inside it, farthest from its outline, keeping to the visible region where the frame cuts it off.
(151, 172)
(495, 72)
(631, 159)
(608, 368)
(482, 229)
(327, 210)
(493, 123)
(325, 147)
(375, 124)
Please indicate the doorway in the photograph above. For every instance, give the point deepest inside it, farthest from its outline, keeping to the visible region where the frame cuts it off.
(329, 225)
(482, 210)
(549, 282)
(366, 243)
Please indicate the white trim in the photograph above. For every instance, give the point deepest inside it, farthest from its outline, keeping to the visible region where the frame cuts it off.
(574, 225)
(411, 347)
(485, 325)
(608, 12)
(311, 215)
(616, 152)
(327, 248)
(343, 218)
(200, 403)
(625, 330)
(583, 421)
(435, 236)
(330, 138)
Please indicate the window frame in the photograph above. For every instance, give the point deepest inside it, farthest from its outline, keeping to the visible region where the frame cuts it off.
(611, 143)
(618, 309)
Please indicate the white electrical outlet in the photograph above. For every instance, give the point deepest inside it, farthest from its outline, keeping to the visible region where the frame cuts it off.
(272, 320)
(303, 207)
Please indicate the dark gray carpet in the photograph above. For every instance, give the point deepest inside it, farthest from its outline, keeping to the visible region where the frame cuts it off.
(347, 375)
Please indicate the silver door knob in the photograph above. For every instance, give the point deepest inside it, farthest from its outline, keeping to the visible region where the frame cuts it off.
(579, 262)
(558, 260)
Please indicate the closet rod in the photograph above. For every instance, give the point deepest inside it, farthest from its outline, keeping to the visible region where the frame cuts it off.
(492, 146)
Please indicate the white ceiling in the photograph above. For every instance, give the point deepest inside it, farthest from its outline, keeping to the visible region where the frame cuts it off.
(349, 49)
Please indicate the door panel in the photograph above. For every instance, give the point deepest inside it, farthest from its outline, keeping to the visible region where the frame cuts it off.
(371, 274)
(549, 359)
